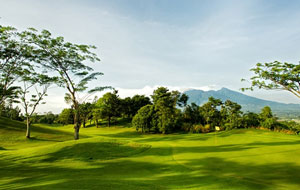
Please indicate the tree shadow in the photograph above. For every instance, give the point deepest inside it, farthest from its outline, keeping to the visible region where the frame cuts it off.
(1, 148)
(96, 151)
(206, 173)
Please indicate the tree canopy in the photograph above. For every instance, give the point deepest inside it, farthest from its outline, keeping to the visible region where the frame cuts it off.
(68, 61)
(276, 76)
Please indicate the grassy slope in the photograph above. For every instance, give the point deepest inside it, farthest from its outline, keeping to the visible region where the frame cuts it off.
(119, 158)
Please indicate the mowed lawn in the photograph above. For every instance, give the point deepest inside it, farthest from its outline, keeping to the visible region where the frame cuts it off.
(120, 158)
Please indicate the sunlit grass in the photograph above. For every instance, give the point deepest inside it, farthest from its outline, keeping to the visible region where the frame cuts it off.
(118, 157)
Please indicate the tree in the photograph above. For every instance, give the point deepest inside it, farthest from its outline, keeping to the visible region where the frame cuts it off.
(192, 114)
(66, 116)
(165, 102)
(15, 56)
(85, 112)
(68, 60)
(109, 106)
(130, 106)
(250, 119)
(211, 112)
(267, 120)
(276, 75)
(40, 83)
(231, 114)
(143, 119)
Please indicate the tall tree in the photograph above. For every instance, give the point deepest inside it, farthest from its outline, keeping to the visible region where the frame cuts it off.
(68, 60)
(211, 112)
(30, 100)
(15, 56)
(276, 75)
(165, 102)
(85, 111)
(231, 114)
(109, 106)
(144, 118)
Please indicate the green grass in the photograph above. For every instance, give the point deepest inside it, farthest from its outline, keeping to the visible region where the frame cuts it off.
(120, 158)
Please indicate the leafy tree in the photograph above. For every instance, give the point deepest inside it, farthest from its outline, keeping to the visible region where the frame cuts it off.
(96, 113)
(162, 116)
(66, 116)
(231, 114)
(109, 106)
(15, 56)
(211, 113)
(250, 119)
(267, 120)
(48, 118)
(192, 114)
(85, 111)
(11, 112)
(165, 102)
(130, 106)
(40, 83)
(68, 61)
(144, 118)
(276, 75)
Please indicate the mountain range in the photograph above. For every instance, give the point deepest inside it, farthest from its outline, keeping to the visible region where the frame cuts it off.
(248, 103)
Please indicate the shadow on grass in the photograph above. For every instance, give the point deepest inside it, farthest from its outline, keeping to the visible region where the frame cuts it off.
(121, 166)
(1, 148)
(12, 125)
(119, 122)
(96, 151)
(207, 173)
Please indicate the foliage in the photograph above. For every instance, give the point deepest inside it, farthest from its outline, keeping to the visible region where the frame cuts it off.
(276, 75)
(192, 114)
(144, 118)
(211, 112)
(67, 60)
(130, 106)
(29, 100)
(250, 119)
(267, 120)
(66, 116)
(14, 57)
(85, 112)
(108, 106)
(231, 115)
(47, 118)
(11, 112)
(162, 116)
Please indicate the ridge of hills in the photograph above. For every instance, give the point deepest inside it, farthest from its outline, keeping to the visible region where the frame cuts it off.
(248, 103)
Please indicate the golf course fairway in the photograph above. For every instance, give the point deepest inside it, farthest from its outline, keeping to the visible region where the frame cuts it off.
(120, 158)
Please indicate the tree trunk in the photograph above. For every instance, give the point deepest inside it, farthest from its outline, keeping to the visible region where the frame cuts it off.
(76, 121)
(108, 121)
(28, 128)
(76, 131)
(83, 123)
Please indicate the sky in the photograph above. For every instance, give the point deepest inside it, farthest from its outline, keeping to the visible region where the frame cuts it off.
(143, 44)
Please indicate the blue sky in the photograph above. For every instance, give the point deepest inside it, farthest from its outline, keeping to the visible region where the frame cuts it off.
(180, 44)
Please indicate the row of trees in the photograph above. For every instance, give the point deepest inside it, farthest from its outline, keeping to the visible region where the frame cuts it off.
(169, 112)
(108, 107)
(32, 61)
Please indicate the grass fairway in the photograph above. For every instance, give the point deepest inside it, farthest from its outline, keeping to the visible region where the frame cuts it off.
(120, 158)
